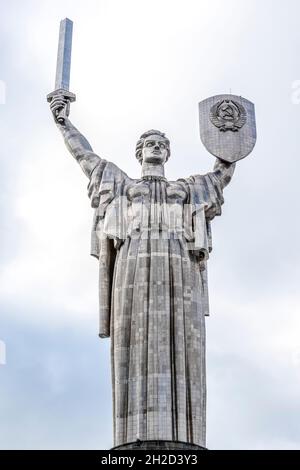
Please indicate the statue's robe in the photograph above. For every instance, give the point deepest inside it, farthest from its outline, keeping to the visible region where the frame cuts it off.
(153, 238)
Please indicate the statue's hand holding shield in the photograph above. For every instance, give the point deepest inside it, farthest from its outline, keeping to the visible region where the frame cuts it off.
(227, 126)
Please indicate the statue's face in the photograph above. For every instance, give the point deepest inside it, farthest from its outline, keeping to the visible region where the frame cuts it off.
(155, 149)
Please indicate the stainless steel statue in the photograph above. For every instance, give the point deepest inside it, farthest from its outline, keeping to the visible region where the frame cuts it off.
(152, 237)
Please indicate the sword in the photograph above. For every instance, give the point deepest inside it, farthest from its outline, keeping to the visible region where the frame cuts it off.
(63, 68)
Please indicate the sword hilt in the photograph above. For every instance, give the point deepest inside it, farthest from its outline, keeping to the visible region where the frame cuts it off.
(62, 115)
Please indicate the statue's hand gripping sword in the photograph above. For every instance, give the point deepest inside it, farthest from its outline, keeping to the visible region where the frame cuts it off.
(63, 68)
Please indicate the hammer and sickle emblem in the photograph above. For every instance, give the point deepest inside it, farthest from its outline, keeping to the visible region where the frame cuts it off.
(228, 115)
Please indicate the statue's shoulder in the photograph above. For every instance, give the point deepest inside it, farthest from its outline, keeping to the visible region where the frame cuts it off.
(193, 179)
(115, 172)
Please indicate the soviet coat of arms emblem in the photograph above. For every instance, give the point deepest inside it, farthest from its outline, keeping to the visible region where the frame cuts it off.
(228, 115)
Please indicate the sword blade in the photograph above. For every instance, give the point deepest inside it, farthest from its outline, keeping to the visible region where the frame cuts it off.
(63, 66)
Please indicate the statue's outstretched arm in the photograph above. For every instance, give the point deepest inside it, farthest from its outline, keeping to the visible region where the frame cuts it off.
(76, 143)
(223, 171)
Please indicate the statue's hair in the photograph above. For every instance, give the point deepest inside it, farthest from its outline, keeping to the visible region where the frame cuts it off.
(140, 144)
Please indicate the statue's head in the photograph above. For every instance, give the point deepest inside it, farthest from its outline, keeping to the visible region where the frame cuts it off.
(153, 147)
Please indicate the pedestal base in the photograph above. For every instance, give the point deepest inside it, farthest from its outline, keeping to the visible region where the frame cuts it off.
(158, 445)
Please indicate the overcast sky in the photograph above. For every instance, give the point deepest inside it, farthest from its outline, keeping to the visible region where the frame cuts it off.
(138, 65)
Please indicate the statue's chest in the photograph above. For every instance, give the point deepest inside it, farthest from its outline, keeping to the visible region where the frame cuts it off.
(156, 204)
(157, 192)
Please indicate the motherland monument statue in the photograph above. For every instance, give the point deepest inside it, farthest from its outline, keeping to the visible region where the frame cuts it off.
(152, 238)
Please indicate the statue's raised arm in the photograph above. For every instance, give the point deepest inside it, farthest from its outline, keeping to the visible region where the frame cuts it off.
(223, 171)
(105, 177)
(76, 143)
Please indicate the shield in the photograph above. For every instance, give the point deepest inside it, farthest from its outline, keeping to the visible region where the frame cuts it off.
(227, 126)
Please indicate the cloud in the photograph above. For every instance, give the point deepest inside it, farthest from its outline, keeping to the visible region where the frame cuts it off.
(50, 387)
(253, 374)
